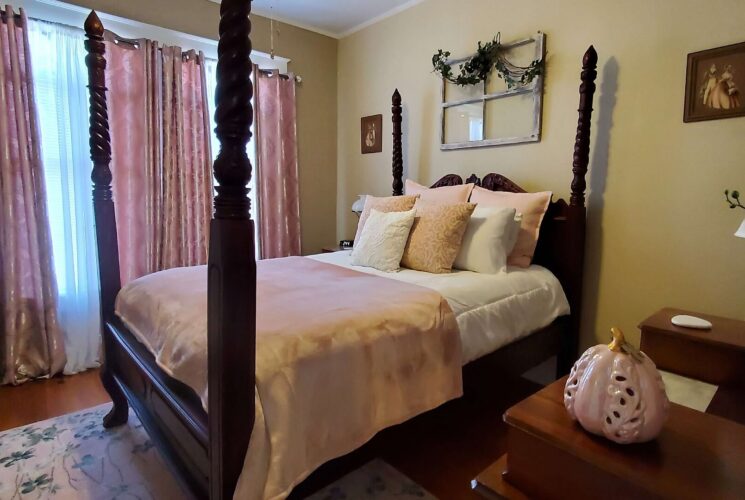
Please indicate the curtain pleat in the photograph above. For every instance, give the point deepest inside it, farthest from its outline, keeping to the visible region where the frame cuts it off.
(277, 165)
(161, 158)
(30, 340)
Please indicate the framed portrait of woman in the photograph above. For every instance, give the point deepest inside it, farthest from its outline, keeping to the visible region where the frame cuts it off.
(714, 84)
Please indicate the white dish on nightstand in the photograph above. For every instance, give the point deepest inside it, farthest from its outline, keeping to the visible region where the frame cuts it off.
(687, 321)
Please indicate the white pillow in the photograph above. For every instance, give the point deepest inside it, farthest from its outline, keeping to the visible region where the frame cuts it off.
(383, 239)
(490, 236)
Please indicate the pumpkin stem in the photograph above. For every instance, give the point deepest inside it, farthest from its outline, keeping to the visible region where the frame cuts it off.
(618, 340)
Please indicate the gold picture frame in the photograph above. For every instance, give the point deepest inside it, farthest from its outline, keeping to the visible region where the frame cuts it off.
(713, 82)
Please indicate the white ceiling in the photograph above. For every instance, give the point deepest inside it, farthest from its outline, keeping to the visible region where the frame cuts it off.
(335, 18)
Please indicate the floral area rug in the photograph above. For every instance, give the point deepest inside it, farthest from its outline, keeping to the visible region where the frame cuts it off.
(74, 457)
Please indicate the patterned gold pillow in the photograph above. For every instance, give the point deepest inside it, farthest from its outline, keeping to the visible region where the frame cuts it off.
(436, 236)
(387, 204)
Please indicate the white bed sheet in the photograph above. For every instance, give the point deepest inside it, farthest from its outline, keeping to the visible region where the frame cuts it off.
(492, 310)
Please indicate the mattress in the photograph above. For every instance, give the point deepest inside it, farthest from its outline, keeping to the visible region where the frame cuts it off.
(340, 355)
(492, 310)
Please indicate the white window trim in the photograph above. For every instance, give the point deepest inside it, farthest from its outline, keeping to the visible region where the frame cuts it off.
(74, 15)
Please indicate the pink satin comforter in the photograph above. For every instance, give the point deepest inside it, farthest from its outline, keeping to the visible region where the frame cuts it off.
(340, 355)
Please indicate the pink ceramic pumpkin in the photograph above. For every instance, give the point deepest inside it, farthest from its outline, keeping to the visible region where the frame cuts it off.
(616, 391)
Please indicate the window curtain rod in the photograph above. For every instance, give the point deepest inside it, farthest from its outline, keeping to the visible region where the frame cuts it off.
(16, 17)
(135, 43)
(273, 72)
(108, 35)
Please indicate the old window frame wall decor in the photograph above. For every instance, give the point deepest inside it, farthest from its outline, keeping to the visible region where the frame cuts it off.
(535, 88)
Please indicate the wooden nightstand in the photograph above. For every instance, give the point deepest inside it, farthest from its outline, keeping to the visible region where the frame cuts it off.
(716, 356)
(549, 456)
(334, 248)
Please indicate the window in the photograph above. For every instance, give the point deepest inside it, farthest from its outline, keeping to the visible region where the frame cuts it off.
(60, 85)
(62, 104)
(62, 98)
(62, 107)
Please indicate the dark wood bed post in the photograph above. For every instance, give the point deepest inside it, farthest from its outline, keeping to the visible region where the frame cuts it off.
(232, 266)
(398, 156)
(103, 207)
(577, 216)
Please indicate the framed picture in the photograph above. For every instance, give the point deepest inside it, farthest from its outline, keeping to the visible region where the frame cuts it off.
(371, 140)
(714, 83)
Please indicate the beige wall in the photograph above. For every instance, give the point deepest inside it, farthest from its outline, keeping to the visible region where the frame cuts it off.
(313, 57)
(659, 230)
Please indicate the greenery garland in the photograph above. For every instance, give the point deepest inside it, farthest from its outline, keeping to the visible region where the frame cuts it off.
(488, 56)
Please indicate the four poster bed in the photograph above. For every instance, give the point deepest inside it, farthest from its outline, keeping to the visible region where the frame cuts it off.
(205, 441)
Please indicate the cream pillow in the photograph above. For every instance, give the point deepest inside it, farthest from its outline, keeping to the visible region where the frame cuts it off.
(444, 194)
(489, 238)
(436, 236)
(386, 204)
(381, 244)
(532, 206)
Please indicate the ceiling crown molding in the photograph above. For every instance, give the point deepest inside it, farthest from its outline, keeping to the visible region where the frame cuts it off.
(385, 15)
(342, 34)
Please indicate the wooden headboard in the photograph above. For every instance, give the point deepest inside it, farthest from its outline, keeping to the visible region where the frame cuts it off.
(561, 244)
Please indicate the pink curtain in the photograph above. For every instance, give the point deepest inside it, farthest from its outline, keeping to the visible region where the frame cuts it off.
(161, 159)
(30, 339)
(277, 165)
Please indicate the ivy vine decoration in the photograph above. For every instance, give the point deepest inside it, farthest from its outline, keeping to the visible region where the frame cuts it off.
(733, 199)
(477, 68)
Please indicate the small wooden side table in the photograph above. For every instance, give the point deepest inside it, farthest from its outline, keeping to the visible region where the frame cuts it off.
(334, 248)
(549, 456)
(716, 356)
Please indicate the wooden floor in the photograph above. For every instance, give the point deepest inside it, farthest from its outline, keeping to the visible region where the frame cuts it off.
(42, 399)
(441, 450)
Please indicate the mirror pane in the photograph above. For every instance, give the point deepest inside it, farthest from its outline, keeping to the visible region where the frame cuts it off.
(509, 117)
(456, 92)
(464, 123)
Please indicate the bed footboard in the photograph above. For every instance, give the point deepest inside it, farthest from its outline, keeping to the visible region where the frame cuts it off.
(171, 412)
(206, 453)
(231, 289)
(103, 206)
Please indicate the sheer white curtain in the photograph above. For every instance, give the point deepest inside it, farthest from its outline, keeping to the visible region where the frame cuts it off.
(210, 69)
(60, 79)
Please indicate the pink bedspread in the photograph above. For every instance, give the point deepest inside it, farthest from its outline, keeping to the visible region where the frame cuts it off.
(340, 355)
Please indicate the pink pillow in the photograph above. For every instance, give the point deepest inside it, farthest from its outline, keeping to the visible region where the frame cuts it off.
(532, 206)
(385, 205)
(444, 194)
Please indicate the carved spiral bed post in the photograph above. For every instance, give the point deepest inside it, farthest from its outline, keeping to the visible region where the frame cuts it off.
(398, 157)
(103, 207)
(232, 267)
(577, 212)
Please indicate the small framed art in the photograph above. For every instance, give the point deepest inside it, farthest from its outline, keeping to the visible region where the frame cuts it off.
(370, 132)
(714, 80)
